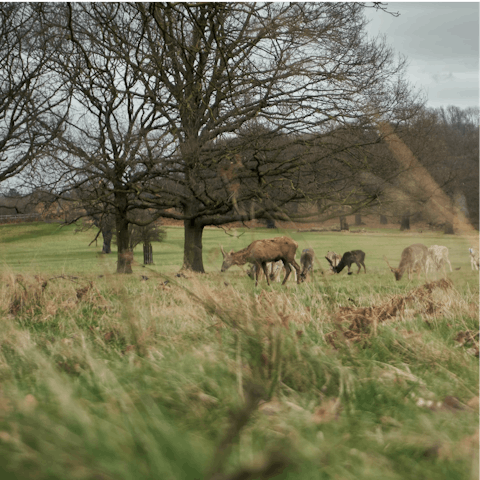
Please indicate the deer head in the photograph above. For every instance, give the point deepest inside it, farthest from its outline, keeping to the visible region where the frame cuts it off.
(227, 259)
(395, 271)
(333, 258)
(302, 277)
(333, 265)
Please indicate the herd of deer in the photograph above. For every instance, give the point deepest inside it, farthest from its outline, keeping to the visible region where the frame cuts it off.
(276, 254)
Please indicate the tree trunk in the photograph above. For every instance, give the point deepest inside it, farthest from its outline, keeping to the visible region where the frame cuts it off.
(147, 254)
(450, 217)
(125, 255)
(192, 253)
(405, 223)
(383, 220)
(449, 228)
(358, 219)
(344, 223)
(270, 222)
(107, 235)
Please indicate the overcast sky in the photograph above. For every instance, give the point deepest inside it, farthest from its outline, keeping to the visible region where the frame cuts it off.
(441, 43)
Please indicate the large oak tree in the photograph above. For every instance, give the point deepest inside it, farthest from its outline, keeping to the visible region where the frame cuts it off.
(297, 70)
(217, 112)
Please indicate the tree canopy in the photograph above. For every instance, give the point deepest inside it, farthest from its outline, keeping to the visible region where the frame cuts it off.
(211, 113)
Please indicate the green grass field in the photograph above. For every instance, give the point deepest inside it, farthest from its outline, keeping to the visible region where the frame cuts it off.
(57, 248)
(104, 376)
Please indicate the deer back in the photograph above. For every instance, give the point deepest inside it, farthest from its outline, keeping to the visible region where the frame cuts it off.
(259, 251)
(358, 255)
(272, 250)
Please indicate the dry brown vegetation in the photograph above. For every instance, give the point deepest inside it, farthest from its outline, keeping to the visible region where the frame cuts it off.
(430, 300)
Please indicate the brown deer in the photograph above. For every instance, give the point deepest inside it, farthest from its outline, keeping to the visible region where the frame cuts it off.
(306, 261)
(260, 252)
(414, 258)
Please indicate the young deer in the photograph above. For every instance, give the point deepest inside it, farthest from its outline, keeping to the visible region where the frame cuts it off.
(437, 258)
(306, 261)
(474, 258)
(355, 256)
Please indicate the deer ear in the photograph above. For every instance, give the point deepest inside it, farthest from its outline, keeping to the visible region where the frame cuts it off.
(392, 270)
(231, 251)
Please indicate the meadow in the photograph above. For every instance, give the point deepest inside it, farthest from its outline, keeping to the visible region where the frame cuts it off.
(204, 376)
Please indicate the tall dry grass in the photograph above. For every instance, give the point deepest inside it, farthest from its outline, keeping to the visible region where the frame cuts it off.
(116, 377)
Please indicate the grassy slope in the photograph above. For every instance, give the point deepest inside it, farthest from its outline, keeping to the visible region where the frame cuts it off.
(117, 378)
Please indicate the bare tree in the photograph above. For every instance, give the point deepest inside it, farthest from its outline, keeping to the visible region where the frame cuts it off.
(459, 131)
(150, 232)
(112, 140)
(393, 185)
(443, 143)
(297, 70)
(31, 101)
(220, 112)
(105, 222)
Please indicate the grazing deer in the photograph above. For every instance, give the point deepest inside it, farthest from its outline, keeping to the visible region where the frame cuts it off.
(414, 258)
(333, 259)
(260, 252)
(355, 256)
(306, 261)
(437, 257)
(474, 259)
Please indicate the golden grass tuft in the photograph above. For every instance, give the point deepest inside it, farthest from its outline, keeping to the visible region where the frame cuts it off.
(431, 300)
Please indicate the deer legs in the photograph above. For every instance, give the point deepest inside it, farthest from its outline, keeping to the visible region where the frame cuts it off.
(359, 265)
(265, 271)
(288, 270)
(269, 275)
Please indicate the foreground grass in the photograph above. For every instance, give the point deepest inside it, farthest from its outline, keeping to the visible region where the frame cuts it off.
(180, 378)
